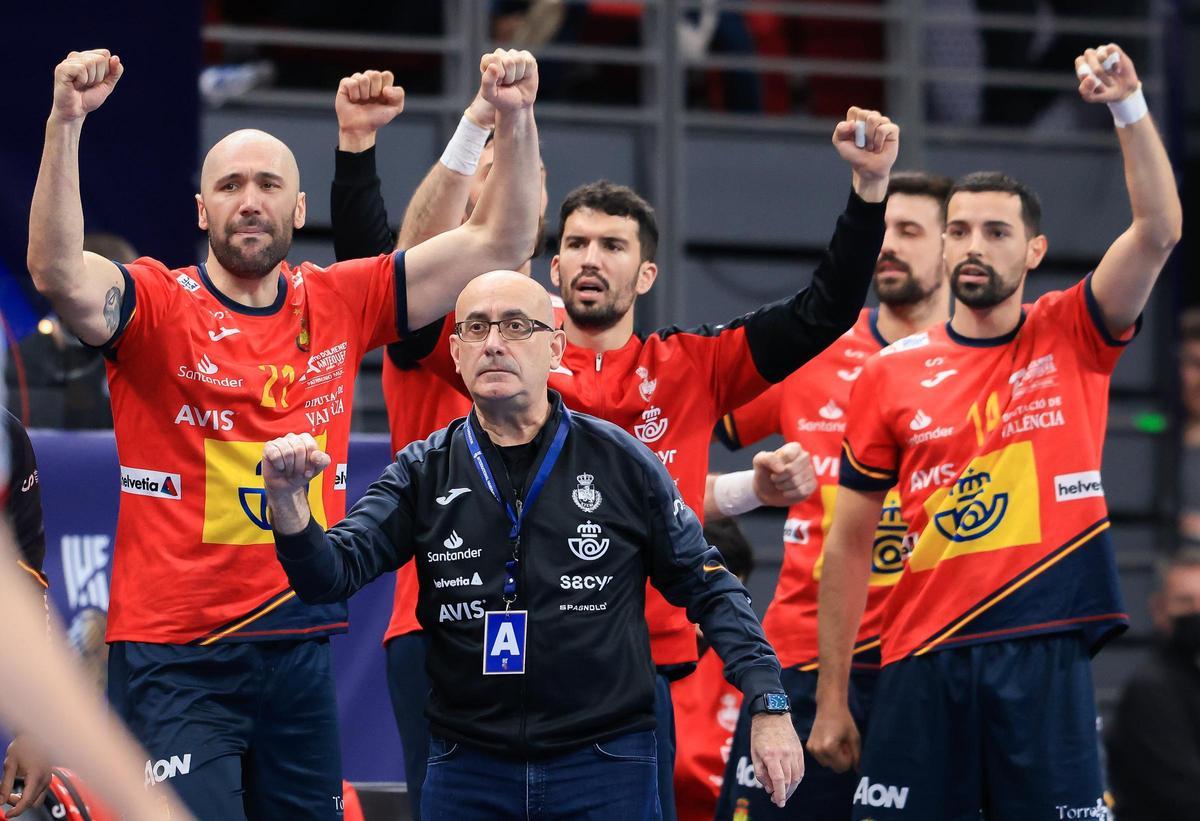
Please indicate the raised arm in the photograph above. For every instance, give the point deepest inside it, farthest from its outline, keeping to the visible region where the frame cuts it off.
(440, 201)
(1127, 272)
(502, 230)
(366, 101)
(834, 740)
(85, 289)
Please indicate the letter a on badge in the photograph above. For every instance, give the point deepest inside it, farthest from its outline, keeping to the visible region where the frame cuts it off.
(504, 642)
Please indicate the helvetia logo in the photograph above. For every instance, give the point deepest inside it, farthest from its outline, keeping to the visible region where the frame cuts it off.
(1071, 486)
(150, 483)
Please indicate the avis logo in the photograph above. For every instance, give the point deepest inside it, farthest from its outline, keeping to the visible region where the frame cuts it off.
(589, 545)
(159, 771)
(880, 795)
(652, 427)
(974, 515)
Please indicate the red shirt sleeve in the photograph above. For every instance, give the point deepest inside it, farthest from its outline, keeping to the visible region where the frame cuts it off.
(755, 420)
(1076, 314)
(375, 290)
(151, 294)
(870, 453)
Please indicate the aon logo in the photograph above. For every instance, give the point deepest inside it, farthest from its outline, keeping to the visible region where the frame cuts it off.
(880, 795)
(161, 770)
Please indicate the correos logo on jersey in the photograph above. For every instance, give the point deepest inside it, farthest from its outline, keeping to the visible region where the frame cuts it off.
(993, 504)
(892, 543)
(150, 483)
(235, 504)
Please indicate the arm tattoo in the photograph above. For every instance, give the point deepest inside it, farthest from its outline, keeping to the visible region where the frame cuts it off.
(112, 309)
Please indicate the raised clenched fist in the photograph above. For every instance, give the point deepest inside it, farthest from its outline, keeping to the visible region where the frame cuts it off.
(83, 81)
(291, 461)
(880, 138)
(1106, 74)
(367, 101)
(509, 79)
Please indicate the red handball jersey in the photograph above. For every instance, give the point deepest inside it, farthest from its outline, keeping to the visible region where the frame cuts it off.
(996, 446)
(408, 421)
(199, 384)
(810, 407)
(706, 715)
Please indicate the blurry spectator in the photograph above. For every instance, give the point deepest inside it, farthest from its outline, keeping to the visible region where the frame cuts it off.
(706, 705)
(1189, 384)
(61, 380)
(1154, 746)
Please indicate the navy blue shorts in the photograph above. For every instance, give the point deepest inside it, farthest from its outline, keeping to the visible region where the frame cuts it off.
(239, 730)
(823, 795)
(1006, 728)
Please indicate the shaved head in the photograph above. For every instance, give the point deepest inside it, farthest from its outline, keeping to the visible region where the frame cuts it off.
(249, 143)
(250, 203)
(503, 373)
(510, 291)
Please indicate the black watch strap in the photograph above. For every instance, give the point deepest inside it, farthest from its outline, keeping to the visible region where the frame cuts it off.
(776, 703)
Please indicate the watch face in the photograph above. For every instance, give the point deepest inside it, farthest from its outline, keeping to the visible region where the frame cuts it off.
(778, 703)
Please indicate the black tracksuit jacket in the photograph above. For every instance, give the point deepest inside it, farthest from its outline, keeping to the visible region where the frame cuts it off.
(608, 518)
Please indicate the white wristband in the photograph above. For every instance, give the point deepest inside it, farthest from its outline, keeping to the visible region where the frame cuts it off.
(1130, 110)
(462, 152)
(734, 493)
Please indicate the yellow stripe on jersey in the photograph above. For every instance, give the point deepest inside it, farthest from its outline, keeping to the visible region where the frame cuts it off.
(874, 473)
(814, 666)
(290, 594)
(40, 578)
(235, 504)
(1050, 562)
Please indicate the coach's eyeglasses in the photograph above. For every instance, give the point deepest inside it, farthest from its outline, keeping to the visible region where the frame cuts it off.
(513, 328)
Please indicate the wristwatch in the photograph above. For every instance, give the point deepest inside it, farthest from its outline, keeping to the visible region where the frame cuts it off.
(776, 703)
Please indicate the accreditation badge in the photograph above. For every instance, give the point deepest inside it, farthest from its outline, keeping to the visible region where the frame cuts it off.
(504, 642)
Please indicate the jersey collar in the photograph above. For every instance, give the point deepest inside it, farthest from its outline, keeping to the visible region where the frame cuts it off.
(985, 342)
(266, 310)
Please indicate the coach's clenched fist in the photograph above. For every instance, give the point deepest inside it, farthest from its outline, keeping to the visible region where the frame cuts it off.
(289, 463)
(83, 81)
(510, 79)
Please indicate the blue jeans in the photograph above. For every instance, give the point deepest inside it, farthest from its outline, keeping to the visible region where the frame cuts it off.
(615, 779)
(664, 712)
(408, 687)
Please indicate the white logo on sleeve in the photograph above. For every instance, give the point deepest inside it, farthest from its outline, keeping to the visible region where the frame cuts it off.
(1071, 486)
(150, 483)
(452, 494)
(188, 283)
(340, 477)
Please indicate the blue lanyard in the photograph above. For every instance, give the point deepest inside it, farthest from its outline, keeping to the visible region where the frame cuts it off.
(517, 517)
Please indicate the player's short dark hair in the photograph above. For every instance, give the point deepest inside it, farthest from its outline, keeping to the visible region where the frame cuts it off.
(920, 184)
(617, 201)
(1031, 206)
(727, 537)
